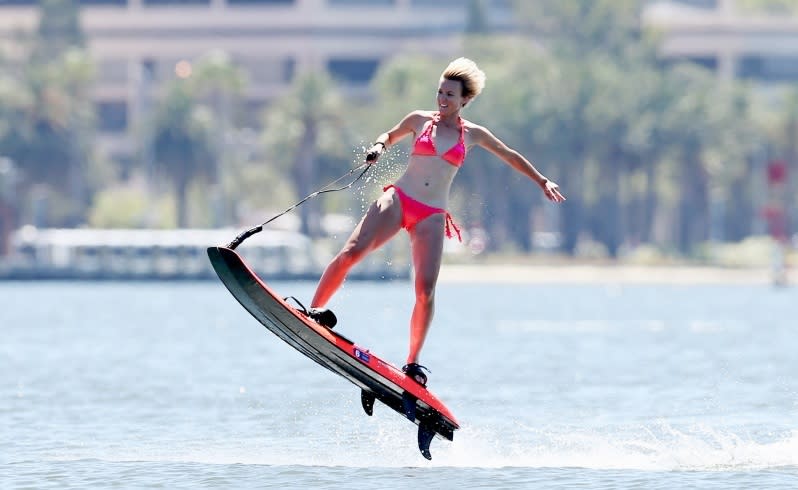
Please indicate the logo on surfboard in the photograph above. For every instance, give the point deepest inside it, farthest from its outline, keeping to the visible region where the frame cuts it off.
(362, 355)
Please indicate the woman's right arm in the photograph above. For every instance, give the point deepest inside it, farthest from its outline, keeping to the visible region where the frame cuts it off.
(405, 127)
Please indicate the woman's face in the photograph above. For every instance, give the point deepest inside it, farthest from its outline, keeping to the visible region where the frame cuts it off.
(450, 96)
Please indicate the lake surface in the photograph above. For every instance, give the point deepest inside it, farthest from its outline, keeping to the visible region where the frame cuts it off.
(165, 385)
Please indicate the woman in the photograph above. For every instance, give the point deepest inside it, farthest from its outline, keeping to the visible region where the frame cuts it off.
(417, 201)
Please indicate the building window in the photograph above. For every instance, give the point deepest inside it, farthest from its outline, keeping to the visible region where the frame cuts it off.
(361, 3)
(768, 68)
(289, 69)
(149, 70)
(708, 62)
(110, 3)
(112, 116)
(260, 2)
(159, 3)
(704, 4)
(268, 70)
(439, 3)
(352, 70)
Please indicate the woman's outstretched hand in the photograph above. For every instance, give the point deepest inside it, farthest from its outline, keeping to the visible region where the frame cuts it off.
(552, 191)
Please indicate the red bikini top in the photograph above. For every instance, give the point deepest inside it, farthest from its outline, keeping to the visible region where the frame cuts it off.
(424, 145)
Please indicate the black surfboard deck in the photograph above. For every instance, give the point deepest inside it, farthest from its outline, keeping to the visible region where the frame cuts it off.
(377, 379)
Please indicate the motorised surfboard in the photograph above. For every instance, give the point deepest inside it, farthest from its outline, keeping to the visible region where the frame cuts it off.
(377, 379)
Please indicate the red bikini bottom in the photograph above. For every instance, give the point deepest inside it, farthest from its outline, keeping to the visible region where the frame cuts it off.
(414, 211)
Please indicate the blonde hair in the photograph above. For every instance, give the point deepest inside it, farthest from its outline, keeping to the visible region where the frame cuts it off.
(468, 74)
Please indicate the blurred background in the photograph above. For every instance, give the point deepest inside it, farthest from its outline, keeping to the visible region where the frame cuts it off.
(134, 133)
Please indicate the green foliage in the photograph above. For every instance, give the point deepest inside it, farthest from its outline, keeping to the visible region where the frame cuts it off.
(312, 112)
(130, 207)
(585, 97)
(770, 7)
(215, 73)
(46, 115)
(306, 135)
(58, 30)
(643, 150)
(646, 254)
(754, 251)
(264, 188)
(583, 27)
(403, 84)
(183, 142)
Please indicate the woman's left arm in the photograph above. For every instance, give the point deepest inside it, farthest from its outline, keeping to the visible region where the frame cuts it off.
(484, 138)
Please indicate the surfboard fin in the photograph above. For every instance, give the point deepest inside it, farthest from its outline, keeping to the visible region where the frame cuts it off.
(409, 406)
(367, 400)
(425, 436)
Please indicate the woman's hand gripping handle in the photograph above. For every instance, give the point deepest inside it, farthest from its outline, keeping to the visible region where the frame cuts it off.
(374, 153)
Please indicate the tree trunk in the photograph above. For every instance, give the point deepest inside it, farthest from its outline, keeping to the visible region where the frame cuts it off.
(6, 227)
(304, 178)
(573, 208)
(496, 214)
(610, 208)
(520, 218)
(77, 184)
(649, 205)
(693, 206)
(738, 221)
(181, 195)
(791, 218)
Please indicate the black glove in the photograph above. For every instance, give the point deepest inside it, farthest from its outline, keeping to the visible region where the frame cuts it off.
(374, 152)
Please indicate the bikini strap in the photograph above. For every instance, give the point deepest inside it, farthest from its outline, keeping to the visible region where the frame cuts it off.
(427, 129)
(450, 224)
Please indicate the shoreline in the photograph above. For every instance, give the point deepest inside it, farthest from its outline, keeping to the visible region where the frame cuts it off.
(604, 274)
(509, 273)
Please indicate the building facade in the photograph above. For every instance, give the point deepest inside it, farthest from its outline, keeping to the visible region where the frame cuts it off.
(735, 44)
(139, 44)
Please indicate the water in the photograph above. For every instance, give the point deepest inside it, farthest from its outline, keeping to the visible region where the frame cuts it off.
(162, 385)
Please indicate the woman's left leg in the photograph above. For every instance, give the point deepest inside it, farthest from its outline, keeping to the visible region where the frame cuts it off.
(426, 242)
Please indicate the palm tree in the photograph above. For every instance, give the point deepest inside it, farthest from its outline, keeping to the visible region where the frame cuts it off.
(58, 30)
(304, 125)
(48, 112)
(49, 124)
(183, 142)
(217, 81)
(584, 41)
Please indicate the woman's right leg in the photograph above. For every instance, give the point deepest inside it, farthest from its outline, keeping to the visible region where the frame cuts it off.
(382, 220)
